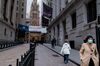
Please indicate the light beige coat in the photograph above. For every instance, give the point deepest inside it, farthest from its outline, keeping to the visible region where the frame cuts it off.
(86, 54)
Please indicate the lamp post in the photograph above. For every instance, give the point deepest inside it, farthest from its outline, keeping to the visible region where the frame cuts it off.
(98, 37)
(98, 27)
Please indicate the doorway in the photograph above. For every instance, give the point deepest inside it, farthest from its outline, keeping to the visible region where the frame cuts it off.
(72, 44)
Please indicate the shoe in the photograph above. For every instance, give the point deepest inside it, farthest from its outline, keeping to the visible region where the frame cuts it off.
(65, 62)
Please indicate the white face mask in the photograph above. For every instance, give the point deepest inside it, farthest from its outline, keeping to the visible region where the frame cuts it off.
(90, 41)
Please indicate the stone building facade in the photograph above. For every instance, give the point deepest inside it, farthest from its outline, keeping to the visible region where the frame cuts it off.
(21, 11)
(8, 20)
(73, 20)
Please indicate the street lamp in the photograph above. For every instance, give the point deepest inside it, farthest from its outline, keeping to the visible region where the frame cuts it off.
(98, 37)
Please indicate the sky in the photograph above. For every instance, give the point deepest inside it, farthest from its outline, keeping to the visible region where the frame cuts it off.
(29, 2)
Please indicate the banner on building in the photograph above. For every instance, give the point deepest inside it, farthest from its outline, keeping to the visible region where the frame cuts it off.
(47, 15)
(47, 11)
(45, 21)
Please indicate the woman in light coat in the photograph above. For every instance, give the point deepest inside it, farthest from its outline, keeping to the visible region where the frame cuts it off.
(88, 53)
(66, 51)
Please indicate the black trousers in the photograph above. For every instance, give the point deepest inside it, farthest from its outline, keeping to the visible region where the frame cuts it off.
(66, 58)
(91, 63)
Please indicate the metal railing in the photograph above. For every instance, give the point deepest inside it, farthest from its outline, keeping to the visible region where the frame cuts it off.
(28, 58)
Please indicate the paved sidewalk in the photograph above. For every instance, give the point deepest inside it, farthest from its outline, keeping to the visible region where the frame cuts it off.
(10, 55)
(46, 57)
(73, 56)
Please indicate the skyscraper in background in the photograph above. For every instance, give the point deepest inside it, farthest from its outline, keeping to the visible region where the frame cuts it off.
(20, 15)
(34, 13)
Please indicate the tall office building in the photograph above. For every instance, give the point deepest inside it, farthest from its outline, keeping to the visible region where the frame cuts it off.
(21, 11)
(20, 15)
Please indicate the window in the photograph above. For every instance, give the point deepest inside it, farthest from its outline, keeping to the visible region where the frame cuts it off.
(22, 9)
(22, 16)
(11, 34)
(5, 30)
(17, 8)
(17, 2)
(23, 4)
(16, 14)
(91, 11)
(73, 16)
(66, 36)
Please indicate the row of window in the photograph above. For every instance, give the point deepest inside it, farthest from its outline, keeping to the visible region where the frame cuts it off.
(22, 9)
(18, 3)
(22, 16)
(91, 13)
(91, 16)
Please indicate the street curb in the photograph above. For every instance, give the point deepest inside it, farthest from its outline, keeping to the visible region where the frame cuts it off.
(1, 50)
(62, 55)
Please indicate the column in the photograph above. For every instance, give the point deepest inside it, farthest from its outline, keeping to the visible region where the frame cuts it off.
(56, 31)
(1, 8)
(52, 33)
(7, 10)
(56, 34)
(61, 33)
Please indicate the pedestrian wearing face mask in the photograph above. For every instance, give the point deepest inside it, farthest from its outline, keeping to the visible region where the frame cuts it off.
(88, 52)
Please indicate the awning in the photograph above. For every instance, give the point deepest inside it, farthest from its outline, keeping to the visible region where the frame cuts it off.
(23, 28)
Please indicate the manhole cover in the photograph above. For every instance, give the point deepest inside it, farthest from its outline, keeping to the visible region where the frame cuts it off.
(55, 55)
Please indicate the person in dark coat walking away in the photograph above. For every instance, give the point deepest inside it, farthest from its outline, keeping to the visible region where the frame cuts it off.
(53, 42)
